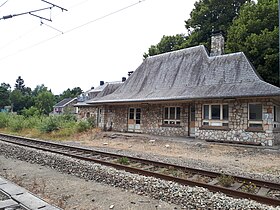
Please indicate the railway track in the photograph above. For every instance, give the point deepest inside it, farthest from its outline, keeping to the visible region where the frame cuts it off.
(235, 186)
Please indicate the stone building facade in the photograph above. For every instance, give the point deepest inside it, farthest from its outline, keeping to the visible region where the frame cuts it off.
(152, 120)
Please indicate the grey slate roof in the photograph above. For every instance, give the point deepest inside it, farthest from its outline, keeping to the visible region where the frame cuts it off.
(191, 74)
(64, 102)
(101, 91)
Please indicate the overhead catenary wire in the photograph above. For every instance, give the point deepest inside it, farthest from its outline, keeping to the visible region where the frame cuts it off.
(4, 3)
(73, 29)
(36, 27)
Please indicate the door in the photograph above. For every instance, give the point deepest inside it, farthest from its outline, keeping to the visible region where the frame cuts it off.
(100, 117)
(134, 120)
(192, 120)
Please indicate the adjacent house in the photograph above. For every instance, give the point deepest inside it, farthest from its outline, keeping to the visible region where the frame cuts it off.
(85, 109)
(191, 93)
(65, 106)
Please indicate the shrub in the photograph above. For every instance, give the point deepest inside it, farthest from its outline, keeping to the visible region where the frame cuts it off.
(33, 122)
(67, 118)
(4, 119)
(91, 122)
(32, 111)
(16, 123)
(49, 124)
(82, 126)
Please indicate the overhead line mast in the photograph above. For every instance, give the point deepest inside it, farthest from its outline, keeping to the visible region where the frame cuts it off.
(33, 11)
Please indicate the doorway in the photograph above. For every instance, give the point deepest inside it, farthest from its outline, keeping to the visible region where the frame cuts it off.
(192, 120)
(134, 120)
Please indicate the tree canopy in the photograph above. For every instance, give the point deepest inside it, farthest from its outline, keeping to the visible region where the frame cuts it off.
(167, 44)
(255, 32)
(30, 102)
(207, 15)
(4, 95)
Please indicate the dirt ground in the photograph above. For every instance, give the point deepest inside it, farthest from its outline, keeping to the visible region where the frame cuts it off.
(252, 159)
(69, 192)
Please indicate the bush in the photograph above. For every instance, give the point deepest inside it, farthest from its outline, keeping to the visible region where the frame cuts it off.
(67, 118)
(91, 122)
(32, 111)
(82, 126)
(49, 124)
(16, 123)
(33, 122)
(4, 120)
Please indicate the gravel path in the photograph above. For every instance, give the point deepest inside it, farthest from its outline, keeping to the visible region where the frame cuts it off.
(188, 197)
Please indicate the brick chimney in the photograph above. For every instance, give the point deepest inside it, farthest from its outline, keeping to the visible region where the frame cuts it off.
(217, 43)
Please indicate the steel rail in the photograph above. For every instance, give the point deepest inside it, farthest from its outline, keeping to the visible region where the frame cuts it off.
(213, 188)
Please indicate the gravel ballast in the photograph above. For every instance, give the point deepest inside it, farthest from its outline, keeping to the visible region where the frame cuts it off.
(188, 197)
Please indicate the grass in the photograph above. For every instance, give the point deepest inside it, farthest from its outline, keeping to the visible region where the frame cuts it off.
(226, 180)
(45, 127)
(123, 161)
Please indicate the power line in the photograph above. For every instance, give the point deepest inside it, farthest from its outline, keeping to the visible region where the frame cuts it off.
(74, 28)
(4, 3)
(107, 15)
(31, 30)
(33, 11)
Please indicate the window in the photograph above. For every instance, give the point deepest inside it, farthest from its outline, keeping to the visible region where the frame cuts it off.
(206, 112)
(138, 116)
(135, 114)
(215, 114)
(276, 117)
(276, 111)
(131, 113)
(255, 115)
(255, 112)
(172, 115)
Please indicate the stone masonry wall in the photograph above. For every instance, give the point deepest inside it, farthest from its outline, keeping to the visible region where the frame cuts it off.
(238, 125)
(151, 119)
(116, 118)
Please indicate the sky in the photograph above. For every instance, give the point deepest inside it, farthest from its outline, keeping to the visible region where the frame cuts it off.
(83, 45)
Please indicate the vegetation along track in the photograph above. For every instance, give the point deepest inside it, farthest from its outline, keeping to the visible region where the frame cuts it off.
(236, 186)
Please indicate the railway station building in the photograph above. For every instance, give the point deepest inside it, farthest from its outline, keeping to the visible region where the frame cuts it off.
(190, 92)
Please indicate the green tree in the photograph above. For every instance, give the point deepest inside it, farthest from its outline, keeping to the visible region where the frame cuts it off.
(70, 93)
(19, 84)
(20, 100)
(209, 15)
(255, 32)
(167, 44)
(5, 95)
(32, 111)
(38, 89)
(44, 102)
(17, 100)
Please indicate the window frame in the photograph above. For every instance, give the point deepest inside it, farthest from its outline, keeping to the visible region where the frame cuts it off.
(168, 120)
(215, 122)
(255, 124)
